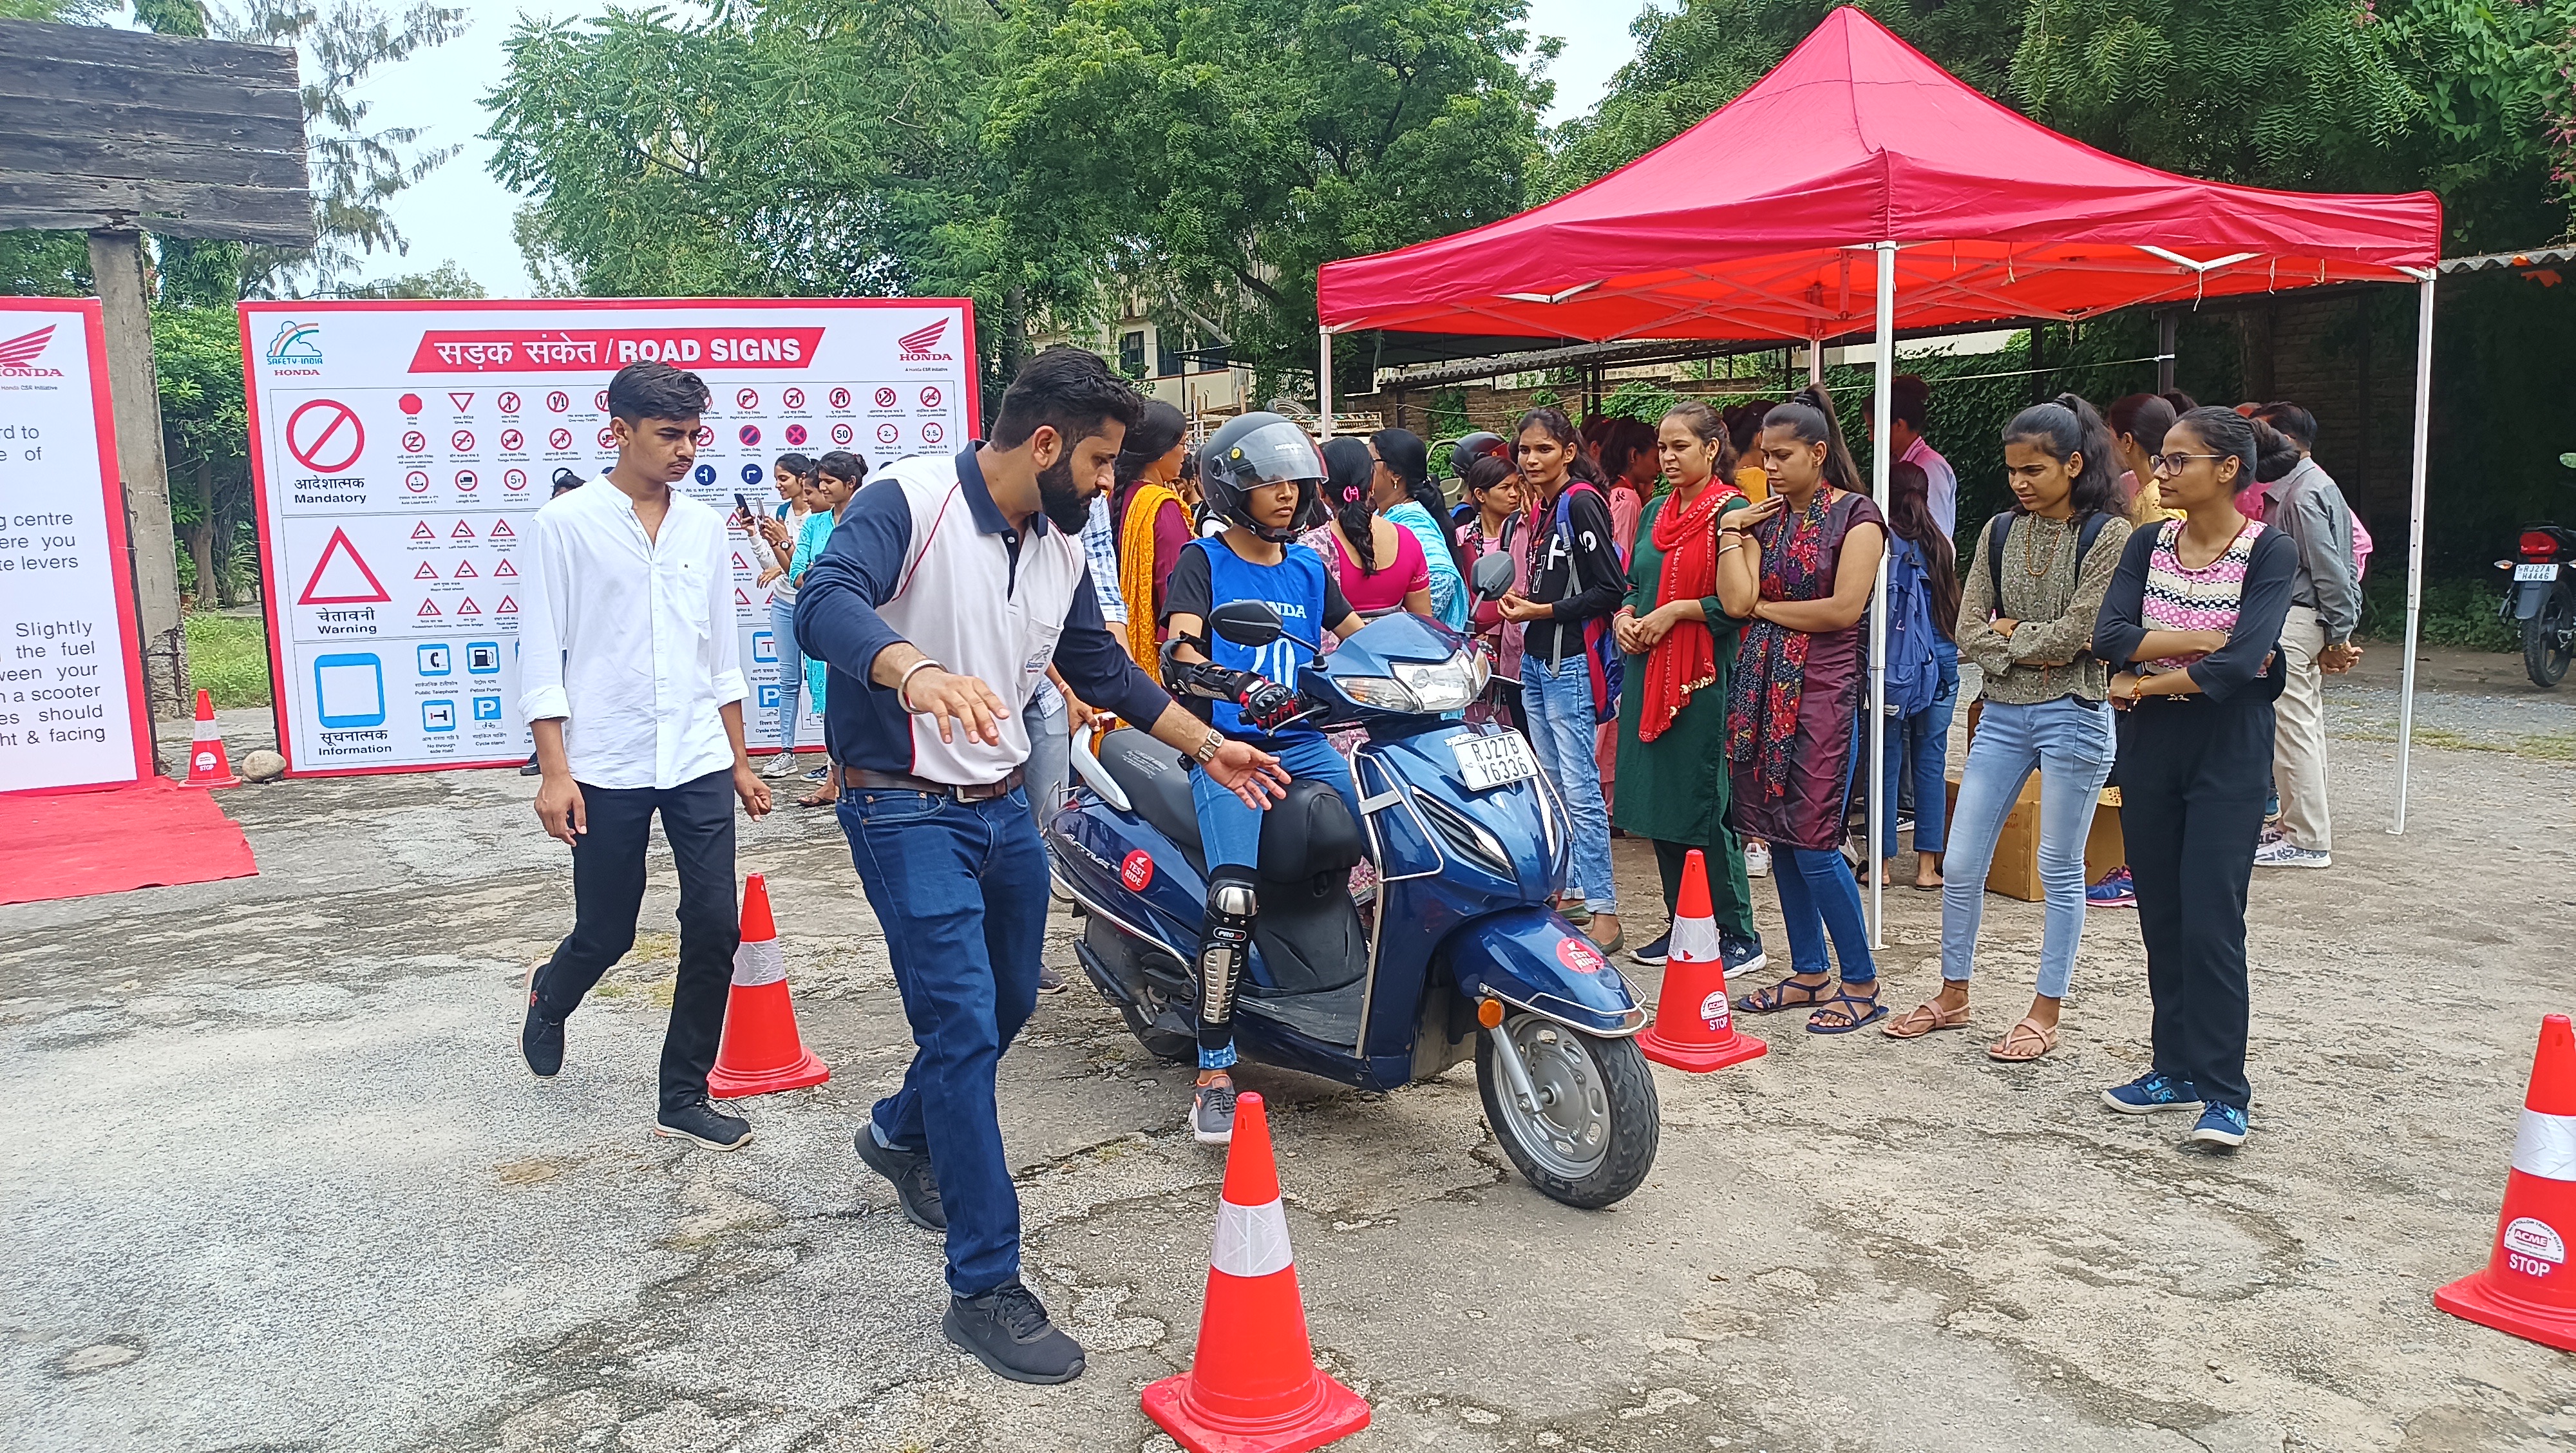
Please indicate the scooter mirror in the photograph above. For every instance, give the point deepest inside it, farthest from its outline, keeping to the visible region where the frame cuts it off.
(1492, 577)
(1247, 623)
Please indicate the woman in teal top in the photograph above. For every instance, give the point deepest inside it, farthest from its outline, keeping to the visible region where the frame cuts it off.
(1404, 494)
(836, 481)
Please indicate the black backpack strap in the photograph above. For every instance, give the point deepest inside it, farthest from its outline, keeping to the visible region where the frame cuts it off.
(2090, 531)
(1997, 529)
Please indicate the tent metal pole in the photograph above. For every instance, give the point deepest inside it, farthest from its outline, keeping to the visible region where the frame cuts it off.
(1882, 402)
(1815, 358)
(1324, 383)
(2415, 540)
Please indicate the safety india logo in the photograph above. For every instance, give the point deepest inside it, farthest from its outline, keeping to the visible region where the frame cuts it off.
(916, 346)
(18, 355)
(296, 344)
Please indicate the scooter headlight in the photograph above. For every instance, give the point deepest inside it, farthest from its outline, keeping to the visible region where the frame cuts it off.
(1422, 686)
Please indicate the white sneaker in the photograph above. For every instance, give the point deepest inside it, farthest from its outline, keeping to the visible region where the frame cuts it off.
(780, 764)
(2287, 854)
(1757, 860)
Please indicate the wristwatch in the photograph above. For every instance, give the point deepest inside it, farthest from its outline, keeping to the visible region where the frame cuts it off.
(1205, 751)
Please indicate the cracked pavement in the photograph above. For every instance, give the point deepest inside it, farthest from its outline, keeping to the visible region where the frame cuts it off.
(288, 1186)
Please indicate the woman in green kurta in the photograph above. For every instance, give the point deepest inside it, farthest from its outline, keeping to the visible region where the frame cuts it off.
(1672, 701)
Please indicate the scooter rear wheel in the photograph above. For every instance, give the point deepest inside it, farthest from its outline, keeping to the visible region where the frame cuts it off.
(1591, 1139)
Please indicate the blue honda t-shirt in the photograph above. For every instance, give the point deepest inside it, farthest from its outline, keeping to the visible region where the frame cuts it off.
(1303, 593)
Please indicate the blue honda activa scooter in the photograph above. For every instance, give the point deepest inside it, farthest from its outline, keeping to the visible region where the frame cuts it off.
(1470, 843)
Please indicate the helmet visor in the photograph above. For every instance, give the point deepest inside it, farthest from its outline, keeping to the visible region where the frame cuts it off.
(1275, 451)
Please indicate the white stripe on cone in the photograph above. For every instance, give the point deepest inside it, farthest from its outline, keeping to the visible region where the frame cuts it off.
(1251, 1240)
(759, 963)
(2546, 1146)
(205, 732)
(1694, 940)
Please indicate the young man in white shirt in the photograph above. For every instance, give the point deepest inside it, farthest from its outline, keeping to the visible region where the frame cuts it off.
(631, 678)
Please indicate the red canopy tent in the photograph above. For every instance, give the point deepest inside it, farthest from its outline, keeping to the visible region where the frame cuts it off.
(1858, 180)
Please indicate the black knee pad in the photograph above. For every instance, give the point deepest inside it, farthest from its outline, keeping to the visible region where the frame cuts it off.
(1225, 943)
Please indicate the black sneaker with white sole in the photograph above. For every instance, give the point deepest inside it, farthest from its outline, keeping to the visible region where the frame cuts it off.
(1212, 1113)
(1657, 953)
(541, 1038)
(701, 1123)
(915, 1186)
(1742, 955)
(1007, 1329)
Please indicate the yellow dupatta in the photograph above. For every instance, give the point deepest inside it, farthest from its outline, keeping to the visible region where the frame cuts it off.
(1136, 573)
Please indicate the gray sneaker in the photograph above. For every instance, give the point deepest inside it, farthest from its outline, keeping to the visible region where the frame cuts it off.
(780, 764)
(1212, 1114)
(2287, 854)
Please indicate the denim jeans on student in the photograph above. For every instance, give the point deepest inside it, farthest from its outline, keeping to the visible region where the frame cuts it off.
(1230, 831)
(791, 668)
(960, 889)
(1818, 898)
(1050, 750)
(1918, 756)
(1556, 697)
(2069, 742)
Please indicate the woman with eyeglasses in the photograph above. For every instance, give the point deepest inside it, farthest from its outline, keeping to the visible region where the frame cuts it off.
(2027, 608)
(2191, 625)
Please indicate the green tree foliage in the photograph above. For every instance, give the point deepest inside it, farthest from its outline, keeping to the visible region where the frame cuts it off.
(446, 280)
(204, 432)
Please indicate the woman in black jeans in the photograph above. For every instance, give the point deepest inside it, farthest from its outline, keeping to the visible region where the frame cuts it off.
(2192, 626)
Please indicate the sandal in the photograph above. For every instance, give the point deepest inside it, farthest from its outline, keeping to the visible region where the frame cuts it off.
(1935, 886)
(2016, 1047)
(1925, 1018)
(1877, 1012)
(1618, 939)
(1772, 998)
(817, 799)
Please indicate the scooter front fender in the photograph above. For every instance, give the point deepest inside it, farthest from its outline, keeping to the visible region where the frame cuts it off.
(1532, 959)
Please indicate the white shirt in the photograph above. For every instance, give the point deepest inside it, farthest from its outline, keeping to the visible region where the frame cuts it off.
(1943, 497)
(631, 639)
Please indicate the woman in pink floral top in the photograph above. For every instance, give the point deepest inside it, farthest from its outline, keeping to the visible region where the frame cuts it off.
(2192, 626)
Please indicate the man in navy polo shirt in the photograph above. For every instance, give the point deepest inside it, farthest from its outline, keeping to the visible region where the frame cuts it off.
(948, 588)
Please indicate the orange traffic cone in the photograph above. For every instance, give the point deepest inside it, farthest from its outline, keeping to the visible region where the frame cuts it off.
(1694, 1029)
(2528, 1288)
(1253, 1386)
(761, 1053)
(208, 764)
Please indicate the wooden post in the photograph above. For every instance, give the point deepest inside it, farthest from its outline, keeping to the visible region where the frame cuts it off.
(116, 258)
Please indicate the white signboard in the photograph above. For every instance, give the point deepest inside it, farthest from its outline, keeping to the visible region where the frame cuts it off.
(402, 447)
(71, 696)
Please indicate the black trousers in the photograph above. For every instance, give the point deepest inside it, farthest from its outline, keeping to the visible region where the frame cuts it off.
(608, 891)
(2193, 773)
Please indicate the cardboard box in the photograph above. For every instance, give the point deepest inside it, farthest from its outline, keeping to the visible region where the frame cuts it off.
(2015, 872)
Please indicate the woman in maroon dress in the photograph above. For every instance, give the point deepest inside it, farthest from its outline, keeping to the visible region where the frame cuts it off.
(1799, 567)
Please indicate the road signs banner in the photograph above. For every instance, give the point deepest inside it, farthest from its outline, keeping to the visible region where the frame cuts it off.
(396, 473)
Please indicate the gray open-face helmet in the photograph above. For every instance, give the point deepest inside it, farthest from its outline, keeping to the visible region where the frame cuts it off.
(1254, 450)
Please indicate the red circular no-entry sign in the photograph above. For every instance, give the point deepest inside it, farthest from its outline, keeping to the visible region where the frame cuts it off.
(511, 439)
(794, 398)
(325, 435)
(885, 398)
(559, 401)
(840, 398)
(559, 439)
(748, 398)
(930, 398)
(509, 403)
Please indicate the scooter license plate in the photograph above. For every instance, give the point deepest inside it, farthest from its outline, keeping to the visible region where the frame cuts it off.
(1493, 761)
(2535, 572)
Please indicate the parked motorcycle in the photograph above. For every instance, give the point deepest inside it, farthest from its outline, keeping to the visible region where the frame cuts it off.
(1462, 953)
(2543, 600)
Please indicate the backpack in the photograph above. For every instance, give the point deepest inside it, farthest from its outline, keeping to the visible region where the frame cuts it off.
(1600, 647)
(1913, 674)
(2000, 527)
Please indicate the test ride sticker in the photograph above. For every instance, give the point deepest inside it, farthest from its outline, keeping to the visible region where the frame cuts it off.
(400, 457)
(71, 690)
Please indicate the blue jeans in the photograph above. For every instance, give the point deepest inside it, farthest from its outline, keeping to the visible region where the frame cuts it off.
(1819, 897)
(1556, 700)
(1050, 750)
(1920, 745)
(2069, 742)
(791, 668)
(1230, 831)
(961, 892)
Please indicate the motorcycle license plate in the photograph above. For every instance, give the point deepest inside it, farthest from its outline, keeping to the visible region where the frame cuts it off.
(1493, 761)
(2535, 572)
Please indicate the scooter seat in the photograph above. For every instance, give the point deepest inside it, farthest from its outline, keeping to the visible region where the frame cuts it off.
(1156, 785)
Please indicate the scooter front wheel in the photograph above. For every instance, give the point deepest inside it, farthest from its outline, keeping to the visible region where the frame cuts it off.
(1590, 1137)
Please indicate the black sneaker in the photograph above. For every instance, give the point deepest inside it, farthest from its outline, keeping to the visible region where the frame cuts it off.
(916, 1187)
(541, 1039)
(1742, 955)
(1007, 1330)
(704, 1124)
(1656, 953)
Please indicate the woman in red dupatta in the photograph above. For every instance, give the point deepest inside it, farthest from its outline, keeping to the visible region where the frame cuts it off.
(1680, 645)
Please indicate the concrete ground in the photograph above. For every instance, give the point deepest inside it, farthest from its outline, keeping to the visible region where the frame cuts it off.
(280, 1181)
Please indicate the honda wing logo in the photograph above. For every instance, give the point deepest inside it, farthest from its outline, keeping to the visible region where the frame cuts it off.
(18, 355)
(917, 345)
(296, 344)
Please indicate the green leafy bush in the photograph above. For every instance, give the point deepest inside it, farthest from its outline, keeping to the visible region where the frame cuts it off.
(228, 656)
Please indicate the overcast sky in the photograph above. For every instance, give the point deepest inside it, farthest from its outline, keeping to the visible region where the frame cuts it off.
(462, 213)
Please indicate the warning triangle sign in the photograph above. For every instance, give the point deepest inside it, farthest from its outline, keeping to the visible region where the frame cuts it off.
(427, 608)
(737, 561)
(464, 570)
(503, 570)
(501, 530)
(507, 607)
(463, 531)
(342, 577)
(467, 607)
(422, 531)
(739, 598)
(426, 571)
(462, 401)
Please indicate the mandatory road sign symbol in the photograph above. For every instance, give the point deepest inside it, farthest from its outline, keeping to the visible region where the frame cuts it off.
(885, 398)
(415, 442)
(795, 433)
(559, 401)
(840, 398)
(931, 433)
(794, 398)
(512, 439)
(417, 481)
(748, 398)
(509, 403)
(931, 396)
(461, 441)
(599, 400)
(559, 439)
(750, 434)
(341, 577)
(466, 481)
(514, 479)
(705, 436)
(843, 433)
(463, 401)
(325, 436)
(408, 403)
(607, 438)
(888, 433)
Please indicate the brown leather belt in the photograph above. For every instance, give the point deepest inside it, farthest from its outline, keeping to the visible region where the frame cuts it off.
(861, 779)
